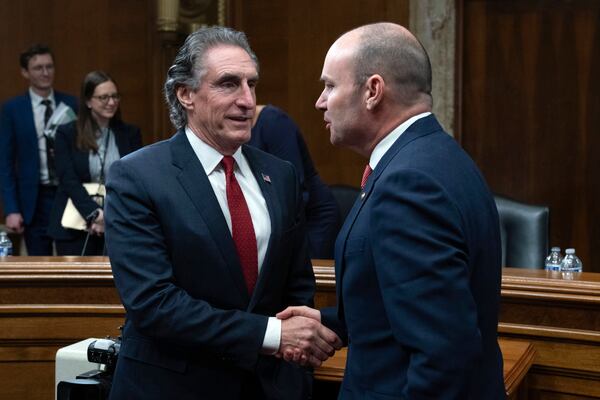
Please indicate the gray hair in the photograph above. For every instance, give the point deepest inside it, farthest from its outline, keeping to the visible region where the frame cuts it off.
(188, 67)
(398, 57)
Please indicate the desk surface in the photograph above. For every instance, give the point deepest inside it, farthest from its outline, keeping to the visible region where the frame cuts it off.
(518, 357)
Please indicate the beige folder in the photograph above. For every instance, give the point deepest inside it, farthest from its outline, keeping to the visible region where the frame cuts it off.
(71, 217)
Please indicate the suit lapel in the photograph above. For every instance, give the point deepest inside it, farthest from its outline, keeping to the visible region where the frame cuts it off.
(30, 131)
(196, 184)
(421, 127)
(260, 171)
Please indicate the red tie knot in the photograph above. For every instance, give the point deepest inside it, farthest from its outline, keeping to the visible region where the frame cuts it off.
(365, 176)
(228, 163)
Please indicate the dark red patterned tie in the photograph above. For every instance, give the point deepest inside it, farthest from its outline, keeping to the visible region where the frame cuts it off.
(366, 174)
(49, 143)
(242, 229)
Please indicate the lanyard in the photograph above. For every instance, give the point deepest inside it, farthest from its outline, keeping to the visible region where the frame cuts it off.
(103, 158)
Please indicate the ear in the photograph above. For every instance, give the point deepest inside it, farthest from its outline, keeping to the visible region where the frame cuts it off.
(185, 97)
(25, 73)
(374, 88)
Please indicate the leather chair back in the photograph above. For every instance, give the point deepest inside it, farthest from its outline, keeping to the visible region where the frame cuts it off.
(524, 232)
(345, 196)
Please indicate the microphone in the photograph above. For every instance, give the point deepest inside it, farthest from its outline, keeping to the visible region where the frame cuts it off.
(91, 217)
(88, 221)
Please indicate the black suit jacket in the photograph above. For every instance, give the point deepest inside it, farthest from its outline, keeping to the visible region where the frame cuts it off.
(192, 330)
(72, 169)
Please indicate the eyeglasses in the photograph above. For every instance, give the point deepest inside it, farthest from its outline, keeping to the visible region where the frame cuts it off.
(105, 97)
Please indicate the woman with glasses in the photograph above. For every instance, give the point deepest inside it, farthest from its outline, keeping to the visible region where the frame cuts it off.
(85, 150)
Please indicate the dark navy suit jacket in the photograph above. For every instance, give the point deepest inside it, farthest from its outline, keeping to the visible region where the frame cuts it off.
(276, 133)
(192, 330)
(418, 276)
(19, 154)
(73, 169)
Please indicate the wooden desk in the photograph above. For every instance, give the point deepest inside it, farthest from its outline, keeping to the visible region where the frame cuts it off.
(49, 302)
(559, 317)
(518, 358)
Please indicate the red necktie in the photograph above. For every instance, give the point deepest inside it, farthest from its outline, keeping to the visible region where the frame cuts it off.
(242, 229)
(366, 174)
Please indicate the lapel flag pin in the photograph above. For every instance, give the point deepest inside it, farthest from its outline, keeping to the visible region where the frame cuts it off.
(266, 178)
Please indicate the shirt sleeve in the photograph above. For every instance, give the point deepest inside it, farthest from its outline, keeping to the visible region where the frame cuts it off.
(272, 338)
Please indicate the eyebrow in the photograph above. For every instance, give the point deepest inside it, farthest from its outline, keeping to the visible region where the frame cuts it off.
(235, 77)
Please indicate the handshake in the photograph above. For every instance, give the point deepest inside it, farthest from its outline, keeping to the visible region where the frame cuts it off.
(304, 340)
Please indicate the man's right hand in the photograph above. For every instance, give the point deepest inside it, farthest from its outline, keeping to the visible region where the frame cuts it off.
(305, 341)
(14, 223)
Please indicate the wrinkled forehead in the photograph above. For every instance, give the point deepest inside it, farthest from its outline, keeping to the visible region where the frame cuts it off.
(228, 55)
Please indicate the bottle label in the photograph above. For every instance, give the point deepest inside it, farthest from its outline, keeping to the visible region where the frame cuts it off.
(5, 251)
(552, 267)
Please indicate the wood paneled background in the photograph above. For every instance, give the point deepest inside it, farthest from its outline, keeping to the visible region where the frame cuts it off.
(528, 103)
(530, 112)
(291, 39)
(117, 36)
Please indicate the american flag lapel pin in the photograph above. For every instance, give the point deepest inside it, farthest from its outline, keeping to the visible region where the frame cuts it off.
(266, 178)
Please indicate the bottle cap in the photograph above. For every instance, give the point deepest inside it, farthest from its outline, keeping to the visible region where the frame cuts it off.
(570, 251)
(556, 248)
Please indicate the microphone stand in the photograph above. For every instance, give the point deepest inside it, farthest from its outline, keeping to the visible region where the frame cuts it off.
(89, 220)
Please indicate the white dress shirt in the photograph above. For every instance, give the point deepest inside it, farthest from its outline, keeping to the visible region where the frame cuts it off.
(387, 142)
(210, 159)
(38, 119)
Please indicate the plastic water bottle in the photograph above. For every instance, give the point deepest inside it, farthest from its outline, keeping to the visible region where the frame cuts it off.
(570, 264)
(5, 245)
(554, 260)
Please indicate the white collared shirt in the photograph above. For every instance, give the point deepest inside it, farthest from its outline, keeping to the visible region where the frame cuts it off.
(210, 159)
(384, 145)
(38, 119)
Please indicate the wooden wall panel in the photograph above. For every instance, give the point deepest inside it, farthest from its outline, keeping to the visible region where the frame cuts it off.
(291, 39)
(115, 35)
(529, 112)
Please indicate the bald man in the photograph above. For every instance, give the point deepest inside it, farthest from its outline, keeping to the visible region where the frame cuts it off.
(418, 258)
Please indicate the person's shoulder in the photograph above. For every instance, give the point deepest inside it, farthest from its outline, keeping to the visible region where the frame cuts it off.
(17, 101)
(271, 113)
(65, 98)
(124, 126)
(274, 124)
(67, 129)
(154, 152)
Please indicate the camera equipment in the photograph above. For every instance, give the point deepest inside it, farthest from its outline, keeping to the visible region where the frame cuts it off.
(94, 384)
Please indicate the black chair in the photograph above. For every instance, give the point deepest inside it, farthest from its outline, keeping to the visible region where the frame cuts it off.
(345, 196)
(524, 233)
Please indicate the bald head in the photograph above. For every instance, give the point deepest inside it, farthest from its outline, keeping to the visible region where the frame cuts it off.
(391, 51)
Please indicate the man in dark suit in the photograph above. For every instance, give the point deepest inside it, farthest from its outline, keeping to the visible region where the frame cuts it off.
(26, 165)
(206, 241)
(418, 258)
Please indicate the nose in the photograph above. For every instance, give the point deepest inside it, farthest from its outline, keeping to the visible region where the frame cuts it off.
(247, 97)
(321, 103)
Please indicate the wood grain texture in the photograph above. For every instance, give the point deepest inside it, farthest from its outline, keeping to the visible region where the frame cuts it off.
(291, 39)
(117, 36)
(529, 106)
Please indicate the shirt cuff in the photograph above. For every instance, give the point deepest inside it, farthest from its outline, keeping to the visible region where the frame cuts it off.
(272, 336)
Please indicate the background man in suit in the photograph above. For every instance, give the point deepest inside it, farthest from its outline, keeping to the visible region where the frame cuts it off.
(418, 258)
(26, 155)
(206, 241)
